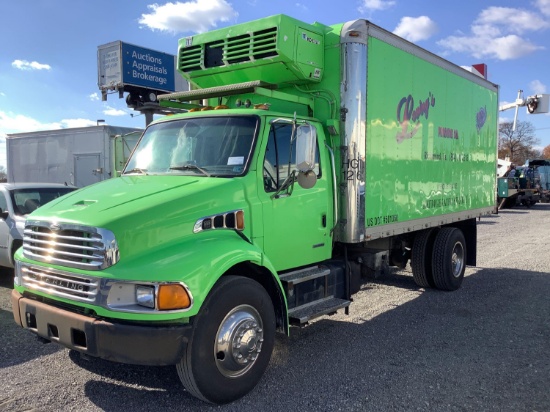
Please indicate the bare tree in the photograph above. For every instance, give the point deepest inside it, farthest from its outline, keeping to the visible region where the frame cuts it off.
(517, 144)
(3, 174)
(546, 152)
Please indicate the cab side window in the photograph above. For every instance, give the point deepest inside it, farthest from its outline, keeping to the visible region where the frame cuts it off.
(278, 156)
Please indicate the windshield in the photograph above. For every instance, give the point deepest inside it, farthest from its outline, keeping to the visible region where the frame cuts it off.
(27, 200)
(212, 146)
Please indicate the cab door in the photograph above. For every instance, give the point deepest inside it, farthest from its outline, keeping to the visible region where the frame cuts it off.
(297, 222)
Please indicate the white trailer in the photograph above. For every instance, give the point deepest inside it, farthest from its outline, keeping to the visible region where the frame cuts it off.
(76, 156)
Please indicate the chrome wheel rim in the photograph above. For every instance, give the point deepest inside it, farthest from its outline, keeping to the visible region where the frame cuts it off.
(457, 259)
(238, 341)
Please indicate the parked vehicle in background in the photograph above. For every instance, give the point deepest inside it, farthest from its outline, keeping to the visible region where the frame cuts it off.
(539, 177)
(16, 202)
(529, 185)
(78, 156)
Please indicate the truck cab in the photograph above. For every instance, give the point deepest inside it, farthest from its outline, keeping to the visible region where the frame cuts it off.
(210, 202)
(259, 157)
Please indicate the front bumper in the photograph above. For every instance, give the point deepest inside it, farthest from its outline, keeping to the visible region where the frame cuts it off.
(118, 342)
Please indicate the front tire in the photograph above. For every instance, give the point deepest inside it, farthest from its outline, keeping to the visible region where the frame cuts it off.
(232, 342)
(449, 258)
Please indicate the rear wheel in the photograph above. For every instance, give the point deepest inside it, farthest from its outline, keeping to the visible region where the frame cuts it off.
(232, 342)
(421, 258)
(449, 258)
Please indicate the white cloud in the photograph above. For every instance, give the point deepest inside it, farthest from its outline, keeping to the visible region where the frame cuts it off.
(111, 111)
(501, 48)
(371, 5)
(496, 34)
(511, 20)
(94, 97)
(193, 16)
(416, 28)
(69, 123)
(25, 65)
(543, 6)
(504, 119)
(302, 6)
(18, 123)
(537, 87)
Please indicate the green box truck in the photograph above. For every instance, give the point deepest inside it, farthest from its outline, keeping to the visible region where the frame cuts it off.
(308, 158)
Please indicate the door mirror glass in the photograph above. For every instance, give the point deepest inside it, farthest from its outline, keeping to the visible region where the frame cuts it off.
(306, 145)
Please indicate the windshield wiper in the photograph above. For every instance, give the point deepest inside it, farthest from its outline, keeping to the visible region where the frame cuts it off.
(191, 166)
(137, 170)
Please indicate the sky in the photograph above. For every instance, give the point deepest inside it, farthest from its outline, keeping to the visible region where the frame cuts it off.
(48, 56)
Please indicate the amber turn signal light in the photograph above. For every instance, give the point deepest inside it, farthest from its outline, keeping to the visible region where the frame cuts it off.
(172, 297)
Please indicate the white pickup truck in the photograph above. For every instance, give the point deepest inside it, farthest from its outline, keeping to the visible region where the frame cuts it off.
(16, 202)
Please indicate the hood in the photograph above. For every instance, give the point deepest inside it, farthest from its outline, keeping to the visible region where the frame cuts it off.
(146, 212)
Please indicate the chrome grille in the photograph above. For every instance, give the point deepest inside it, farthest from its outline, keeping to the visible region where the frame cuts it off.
(55, 283)
(75, 246)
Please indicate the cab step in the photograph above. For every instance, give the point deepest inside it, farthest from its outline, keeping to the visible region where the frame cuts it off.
(301, 315)
(303, 275)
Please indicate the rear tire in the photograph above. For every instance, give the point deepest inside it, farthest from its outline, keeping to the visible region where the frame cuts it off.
(421, 258)
(449, 258)
(232, 342)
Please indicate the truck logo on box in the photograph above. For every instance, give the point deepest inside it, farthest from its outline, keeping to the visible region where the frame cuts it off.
(481, 118)
(407, 113)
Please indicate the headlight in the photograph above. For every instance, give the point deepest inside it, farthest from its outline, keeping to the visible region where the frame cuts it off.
(145, 296)
(169, 296)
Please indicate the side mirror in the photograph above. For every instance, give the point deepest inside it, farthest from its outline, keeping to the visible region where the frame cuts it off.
(306, 144)
(3, 214)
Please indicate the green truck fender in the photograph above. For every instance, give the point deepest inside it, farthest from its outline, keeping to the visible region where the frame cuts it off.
(228, 254)
(201, 260)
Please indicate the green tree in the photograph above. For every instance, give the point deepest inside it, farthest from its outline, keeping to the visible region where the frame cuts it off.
(518, 144)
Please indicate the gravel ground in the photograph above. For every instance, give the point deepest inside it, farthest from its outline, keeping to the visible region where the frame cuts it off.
(484, 347)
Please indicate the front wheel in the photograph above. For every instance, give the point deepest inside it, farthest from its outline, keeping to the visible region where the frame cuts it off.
(231, 345)
(449, 258)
